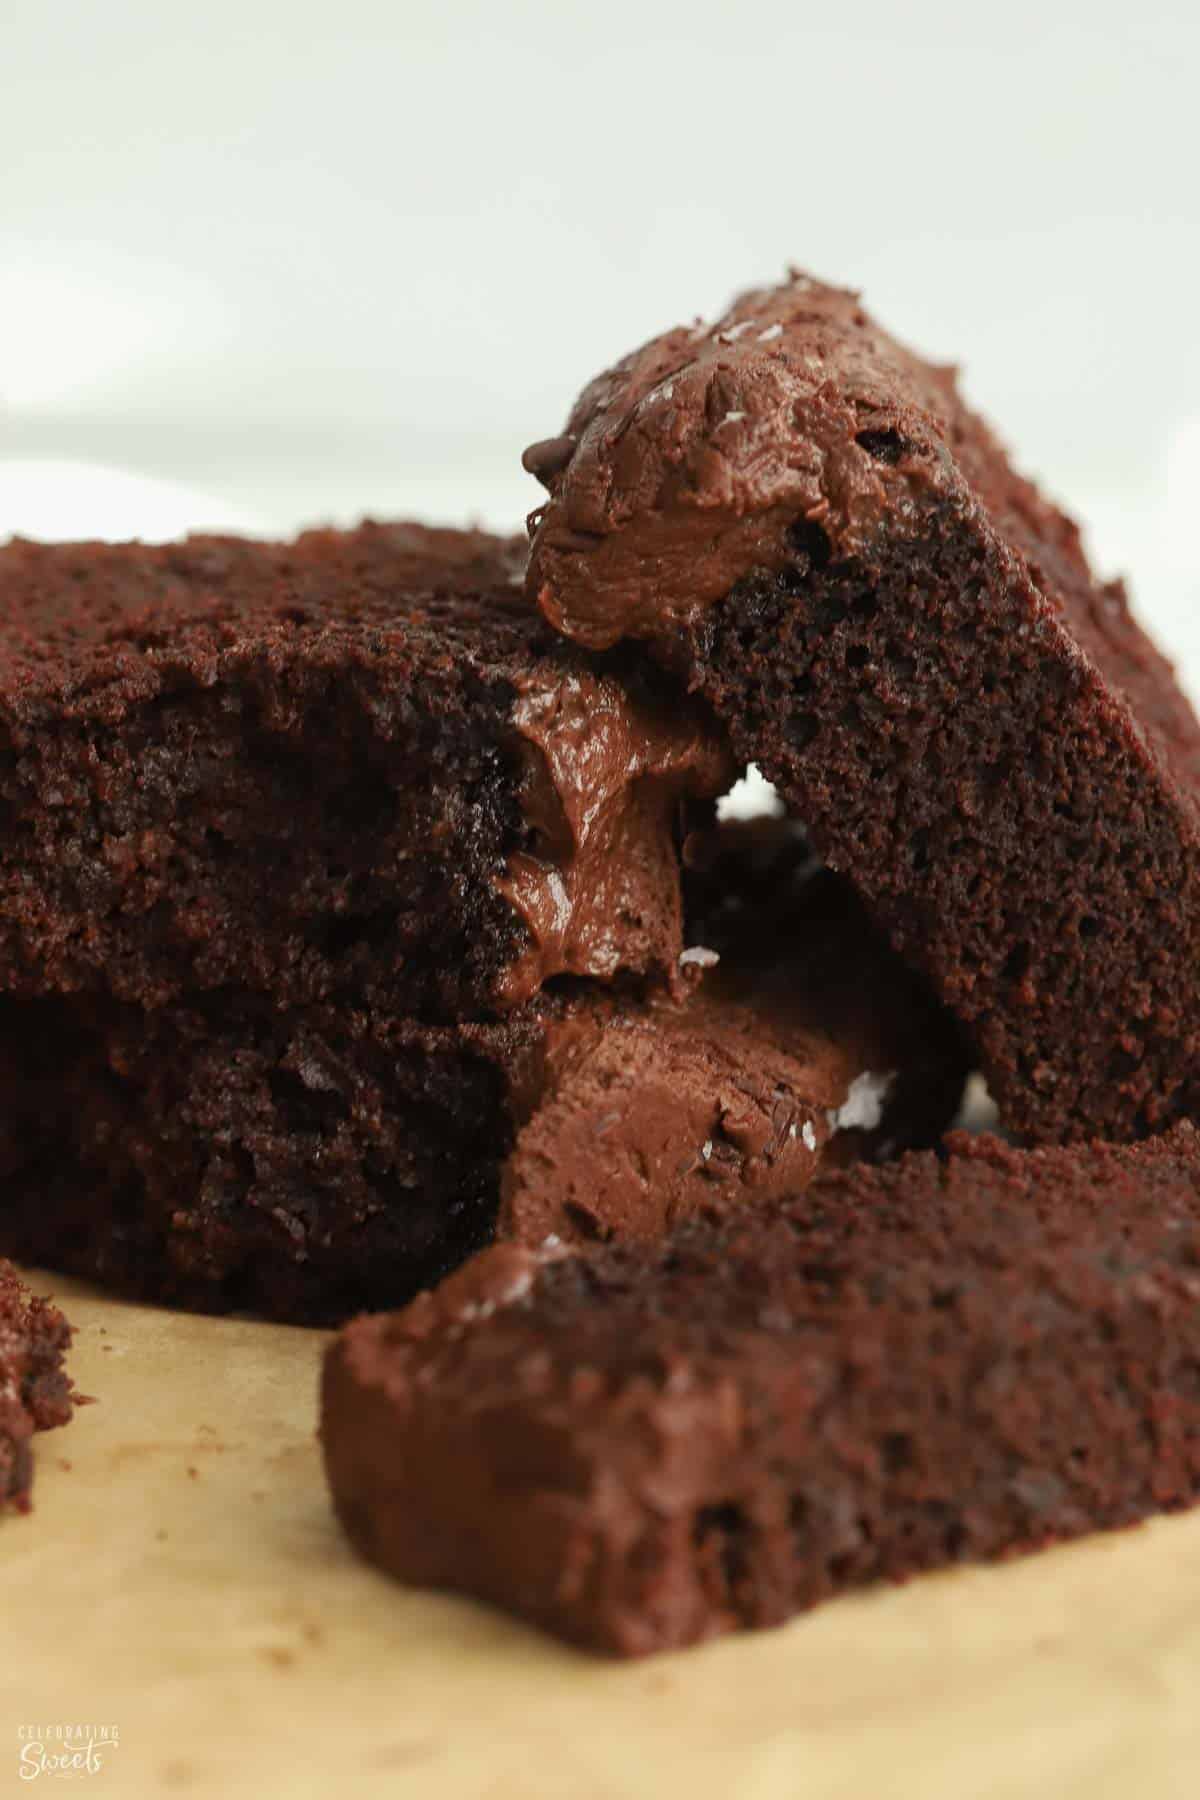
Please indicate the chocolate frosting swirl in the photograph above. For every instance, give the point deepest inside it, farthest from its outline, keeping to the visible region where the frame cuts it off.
(685, 465)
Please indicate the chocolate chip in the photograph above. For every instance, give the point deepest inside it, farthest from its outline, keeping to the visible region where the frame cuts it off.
(548, 458)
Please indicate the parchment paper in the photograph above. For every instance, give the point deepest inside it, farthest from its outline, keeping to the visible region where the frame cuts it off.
(182, 1581)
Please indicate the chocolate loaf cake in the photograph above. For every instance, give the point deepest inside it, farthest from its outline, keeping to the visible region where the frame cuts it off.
(305, 1163)
(918, 1364)
(815, 532)
(353, 765)
(35, 1390)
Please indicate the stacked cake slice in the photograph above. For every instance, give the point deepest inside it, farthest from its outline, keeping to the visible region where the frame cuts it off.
(328, 871)
(804, 520)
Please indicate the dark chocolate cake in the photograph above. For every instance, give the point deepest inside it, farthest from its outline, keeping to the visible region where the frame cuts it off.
(350, 766)
(829, 547)
(224, 1155)
(924, 1363)
(35, 1391)
(281, 823)
(305, 1163)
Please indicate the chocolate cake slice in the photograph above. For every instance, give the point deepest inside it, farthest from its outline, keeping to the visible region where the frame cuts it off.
(815, 532)
(355, 765)
(305, 1163)
(35, 1391)
(924, 1363)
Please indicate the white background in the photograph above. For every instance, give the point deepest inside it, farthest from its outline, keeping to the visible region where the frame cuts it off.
(264, 262)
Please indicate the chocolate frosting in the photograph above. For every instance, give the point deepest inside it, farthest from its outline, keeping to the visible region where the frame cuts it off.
(685, 465)
(605, 771)
(649, 1119)
(803, 1042)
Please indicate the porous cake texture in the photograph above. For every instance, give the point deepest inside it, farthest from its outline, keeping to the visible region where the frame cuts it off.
(927, 1362)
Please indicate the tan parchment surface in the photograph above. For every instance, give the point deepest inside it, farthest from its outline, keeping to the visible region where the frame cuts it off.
(181, 1579)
